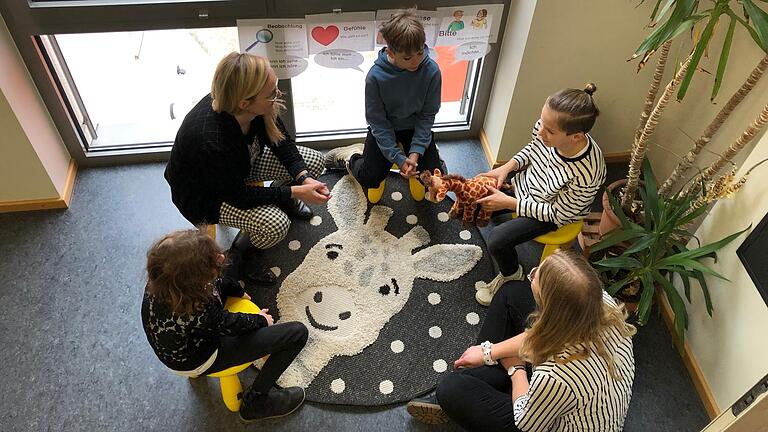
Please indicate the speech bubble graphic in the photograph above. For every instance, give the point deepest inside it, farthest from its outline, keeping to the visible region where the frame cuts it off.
(340, 59)
(288, 67)
(471, 51)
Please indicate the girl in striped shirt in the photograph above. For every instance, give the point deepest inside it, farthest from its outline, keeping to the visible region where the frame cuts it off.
(556, 178)
(576, 340)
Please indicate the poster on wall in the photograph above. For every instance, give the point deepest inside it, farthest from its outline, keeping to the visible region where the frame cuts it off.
(337, 39)
(429, 19)
(479, 17)
(282, 41)
(470, 36)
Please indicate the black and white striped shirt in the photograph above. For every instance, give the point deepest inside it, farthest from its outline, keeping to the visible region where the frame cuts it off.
(580, 395)
(553, 188)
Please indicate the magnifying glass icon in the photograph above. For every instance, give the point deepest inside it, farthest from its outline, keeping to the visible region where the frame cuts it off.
(263, 36)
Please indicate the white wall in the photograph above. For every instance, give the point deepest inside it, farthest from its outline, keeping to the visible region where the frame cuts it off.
(731, 346)
(34, 161)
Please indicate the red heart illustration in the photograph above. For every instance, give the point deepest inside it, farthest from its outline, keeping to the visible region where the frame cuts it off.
(325, 35)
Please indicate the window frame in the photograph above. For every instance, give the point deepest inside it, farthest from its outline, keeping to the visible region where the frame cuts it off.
(27, 20)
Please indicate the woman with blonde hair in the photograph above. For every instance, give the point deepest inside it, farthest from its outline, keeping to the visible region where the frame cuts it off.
(572, 333)
(232, 139)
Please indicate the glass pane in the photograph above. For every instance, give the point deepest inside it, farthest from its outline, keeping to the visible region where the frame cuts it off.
(326, 99)
(138, 86)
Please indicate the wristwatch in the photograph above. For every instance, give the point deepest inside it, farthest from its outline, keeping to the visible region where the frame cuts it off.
(486, 347)
(300, 180)
(514, 368)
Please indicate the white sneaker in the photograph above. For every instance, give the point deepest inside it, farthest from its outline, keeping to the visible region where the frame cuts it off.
(486, 291)
(338, 158)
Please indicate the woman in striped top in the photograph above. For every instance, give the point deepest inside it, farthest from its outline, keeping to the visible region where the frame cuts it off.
(557, 176)
(578, 343)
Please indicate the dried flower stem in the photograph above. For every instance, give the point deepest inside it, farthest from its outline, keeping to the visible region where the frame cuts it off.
(641, 146)
(683, 166)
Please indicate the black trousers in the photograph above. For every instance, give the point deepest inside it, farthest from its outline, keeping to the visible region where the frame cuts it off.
(481, 398)
(507, 235)
(282, 342)
(370, 168)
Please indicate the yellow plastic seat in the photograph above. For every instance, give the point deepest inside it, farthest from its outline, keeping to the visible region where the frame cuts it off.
(415, 186)
(212, 227)
(228, 379)
(562, 237)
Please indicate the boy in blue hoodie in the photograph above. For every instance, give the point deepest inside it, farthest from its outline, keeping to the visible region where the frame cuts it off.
(402, 97)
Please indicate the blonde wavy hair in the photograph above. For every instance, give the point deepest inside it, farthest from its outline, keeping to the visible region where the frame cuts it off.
(571, 311)
(241, 77)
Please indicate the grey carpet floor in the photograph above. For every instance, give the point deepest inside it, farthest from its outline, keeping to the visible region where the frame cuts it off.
(75, 357)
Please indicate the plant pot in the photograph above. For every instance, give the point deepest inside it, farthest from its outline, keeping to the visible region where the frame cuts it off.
(609, 221)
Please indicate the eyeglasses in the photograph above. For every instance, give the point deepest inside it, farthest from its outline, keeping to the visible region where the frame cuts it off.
(277, 95)
(532, 274)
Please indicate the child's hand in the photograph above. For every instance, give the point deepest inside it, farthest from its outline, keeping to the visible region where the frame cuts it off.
(264, 313)
(497, 200)
(246, 296)
(410, 166)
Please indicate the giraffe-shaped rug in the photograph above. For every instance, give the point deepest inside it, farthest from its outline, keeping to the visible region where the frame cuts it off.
(386, 291)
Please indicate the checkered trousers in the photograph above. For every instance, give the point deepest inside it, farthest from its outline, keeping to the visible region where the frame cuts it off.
(267, 225)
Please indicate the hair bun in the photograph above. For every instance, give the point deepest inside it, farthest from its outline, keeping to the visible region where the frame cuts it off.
(590, 88)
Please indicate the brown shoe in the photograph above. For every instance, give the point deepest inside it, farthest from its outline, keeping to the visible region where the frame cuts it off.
(427, 410)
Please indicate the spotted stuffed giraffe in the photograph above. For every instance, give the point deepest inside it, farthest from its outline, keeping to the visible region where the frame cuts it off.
(467, 193)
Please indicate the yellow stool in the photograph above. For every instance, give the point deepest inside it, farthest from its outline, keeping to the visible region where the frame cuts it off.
(212, 228)
(562, 237)
(417, 189)
(228, 380)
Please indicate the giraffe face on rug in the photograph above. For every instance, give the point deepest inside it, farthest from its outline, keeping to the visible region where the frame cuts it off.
(353, 281)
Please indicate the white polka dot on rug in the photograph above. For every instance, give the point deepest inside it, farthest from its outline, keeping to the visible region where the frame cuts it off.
(397, 196)
(465, 235)
(473, 318)
(276, 271)
(439, 365)
(435, 332)
(397, 346)
(386, 387)
(316, 220)
(338, 385)
(294, 245)
(442, 217)
(433, 298)
(411, 219)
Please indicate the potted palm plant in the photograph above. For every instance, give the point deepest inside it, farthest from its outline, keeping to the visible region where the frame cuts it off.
(651, 248)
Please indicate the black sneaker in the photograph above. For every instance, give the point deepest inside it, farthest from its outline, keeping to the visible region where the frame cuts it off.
(276, 403)
(259, 274)
(427, 410)
(297, 209)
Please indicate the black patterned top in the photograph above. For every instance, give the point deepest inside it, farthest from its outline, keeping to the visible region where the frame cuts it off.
(184, 342)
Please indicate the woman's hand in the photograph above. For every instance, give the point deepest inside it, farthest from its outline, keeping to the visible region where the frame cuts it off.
(472, 357)
(311, 192)
(324, 190)
(265, 314)
(497, 200)
(501, 173)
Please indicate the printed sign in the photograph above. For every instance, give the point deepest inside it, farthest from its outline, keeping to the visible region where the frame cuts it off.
(340, 31)
(429, 19)
(282, 41)
(457, 30)
(475, 17)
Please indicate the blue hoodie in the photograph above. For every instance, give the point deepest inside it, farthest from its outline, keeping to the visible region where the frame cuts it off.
(398, 99)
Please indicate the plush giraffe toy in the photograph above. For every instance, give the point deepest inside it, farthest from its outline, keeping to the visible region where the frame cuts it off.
(467, 192)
